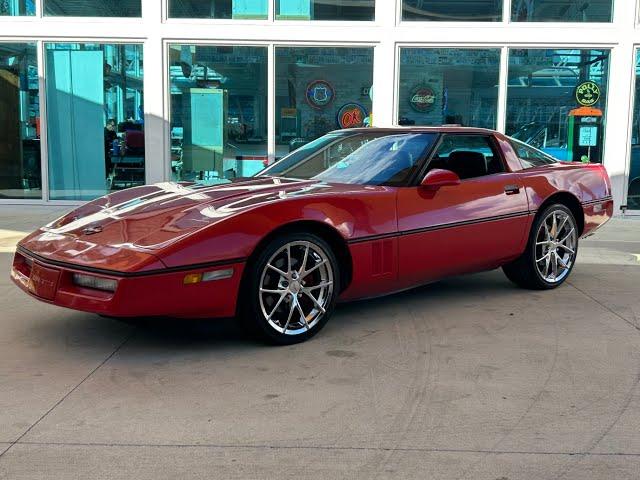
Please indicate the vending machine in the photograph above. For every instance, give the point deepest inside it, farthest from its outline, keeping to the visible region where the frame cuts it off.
(585, 125)
(584, 131)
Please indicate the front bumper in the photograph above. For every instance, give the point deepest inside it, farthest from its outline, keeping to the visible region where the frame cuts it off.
(155, 293)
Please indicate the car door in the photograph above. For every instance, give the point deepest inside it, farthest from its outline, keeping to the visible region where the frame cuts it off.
(472, 226)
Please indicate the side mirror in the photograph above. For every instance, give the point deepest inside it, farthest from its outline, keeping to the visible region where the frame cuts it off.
(437, 178)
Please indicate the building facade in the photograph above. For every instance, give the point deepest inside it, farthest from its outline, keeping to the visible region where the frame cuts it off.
(99, 95)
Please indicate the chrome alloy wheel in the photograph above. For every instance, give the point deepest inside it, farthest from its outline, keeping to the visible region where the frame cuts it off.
(555, 249)
(296, 287)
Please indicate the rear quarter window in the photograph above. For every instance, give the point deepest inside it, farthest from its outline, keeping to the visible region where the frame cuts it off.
(531, 157)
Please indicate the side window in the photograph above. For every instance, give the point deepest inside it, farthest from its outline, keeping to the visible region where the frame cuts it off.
(531, 157)
(469, 156)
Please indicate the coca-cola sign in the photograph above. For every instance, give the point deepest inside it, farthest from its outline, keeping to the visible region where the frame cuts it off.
(422, 98)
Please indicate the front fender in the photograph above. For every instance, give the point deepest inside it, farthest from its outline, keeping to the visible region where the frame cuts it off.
(236, 235)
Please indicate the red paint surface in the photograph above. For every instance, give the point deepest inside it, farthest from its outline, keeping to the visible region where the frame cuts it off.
(397, 237)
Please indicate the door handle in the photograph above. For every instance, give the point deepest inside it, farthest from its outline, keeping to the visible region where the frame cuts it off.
(511, 189)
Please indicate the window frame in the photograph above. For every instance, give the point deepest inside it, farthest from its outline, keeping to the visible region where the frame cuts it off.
(271, 18)
(44, 114)
(182, 41)
(502, 49)
(42, 14)
(35, 13)
(606, 89)
(44, 187)
(273, 7)
(510, 19)
(273, 80)
(493, 144)
(167, 18)
(503, 11)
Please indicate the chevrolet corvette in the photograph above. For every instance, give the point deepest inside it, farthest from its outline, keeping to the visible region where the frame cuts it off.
(354, 214)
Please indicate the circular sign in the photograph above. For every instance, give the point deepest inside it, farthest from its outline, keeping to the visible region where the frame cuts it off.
(320, 93)
(422, 98)
(588, 93)
(351, 115)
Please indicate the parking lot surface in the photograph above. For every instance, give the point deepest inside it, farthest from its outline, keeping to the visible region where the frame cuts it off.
(465, 378)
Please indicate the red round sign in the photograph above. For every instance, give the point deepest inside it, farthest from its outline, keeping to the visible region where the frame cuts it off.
(351, 115)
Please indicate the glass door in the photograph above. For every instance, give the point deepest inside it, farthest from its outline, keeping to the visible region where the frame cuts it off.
(633, 192)
(95, 118)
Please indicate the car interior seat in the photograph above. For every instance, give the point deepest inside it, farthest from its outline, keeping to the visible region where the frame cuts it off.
(467, 164)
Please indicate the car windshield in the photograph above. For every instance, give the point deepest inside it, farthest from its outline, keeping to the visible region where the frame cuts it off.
(375, 158)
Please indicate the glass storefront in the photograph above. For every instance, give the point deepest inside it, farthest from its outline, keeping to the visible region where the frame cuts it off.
(325, 10)
(20, 175)
(556, 101)
(93, 8)
(449, 85)
(218, 111)
(95, 119)
(561, 11)
(224, 9)
(242, 91)
(17, 7)
(448, 11)
(320, 89)
(633, 192)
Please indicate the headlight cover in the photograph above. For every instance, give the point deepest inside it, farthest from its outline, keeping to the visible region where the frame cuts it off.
(97, 283)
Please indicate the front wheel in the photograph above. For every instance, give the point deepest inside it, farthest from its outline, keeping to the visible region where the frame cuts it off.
(292, 288)
(551, 251)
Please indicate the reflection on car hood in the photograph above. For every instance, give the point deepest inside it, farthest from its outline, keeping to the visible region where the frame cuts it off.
(154, 216)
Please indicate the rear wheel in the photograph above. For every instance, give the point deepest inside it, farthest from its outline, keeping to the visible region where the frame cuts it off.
(551, 251)
(292, 288)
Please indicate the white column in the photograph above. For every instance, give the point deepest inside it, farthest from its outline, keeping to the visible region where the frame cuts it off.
(618, 120)
(506, 11)
(271, 103)
(619, 112)
(156, 121)
(503, 89)
(44, 148)
(384, 65)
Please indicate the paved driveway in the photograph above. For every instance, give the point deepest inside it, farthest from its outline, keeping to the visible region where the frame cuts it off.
(466, 378)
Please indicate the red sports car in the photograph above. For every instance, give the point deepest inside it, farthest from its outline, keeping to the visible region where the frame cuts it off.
(354, 214)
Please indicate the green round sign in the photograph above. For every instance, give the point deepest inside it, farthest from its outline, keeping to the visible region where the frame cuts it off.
(588, 93)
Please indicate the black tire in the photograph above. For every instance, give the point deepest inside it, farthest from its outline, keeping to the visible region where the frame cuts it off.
(524, 271)
(254, 303)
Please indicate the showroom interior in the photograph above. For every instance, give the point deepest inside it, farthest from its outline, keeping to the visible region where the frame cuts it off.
(99, 95)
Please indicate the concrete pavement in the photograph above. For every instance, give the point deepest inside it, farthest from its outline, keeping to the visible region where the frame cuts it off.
(467, 378)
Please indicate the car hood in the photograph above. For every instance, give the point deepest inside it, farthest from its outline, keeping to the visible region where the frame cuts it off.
(150, 218)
